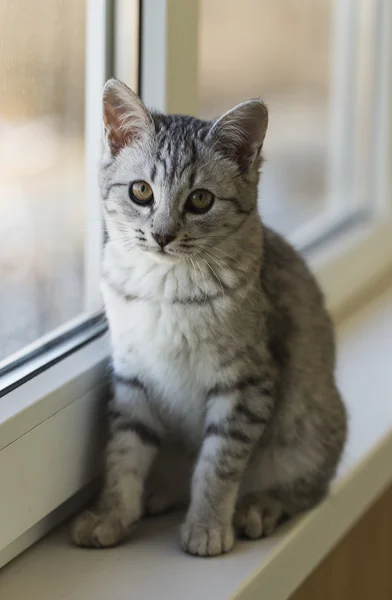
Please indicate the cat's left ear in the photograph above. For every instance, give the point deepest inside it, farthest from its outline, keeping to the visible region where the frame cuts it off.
(125, 117)
(240, 133)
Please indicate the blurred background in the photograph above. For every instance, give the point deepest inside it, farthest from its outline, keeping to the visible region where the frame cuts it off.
(42, 182)
(280, 50)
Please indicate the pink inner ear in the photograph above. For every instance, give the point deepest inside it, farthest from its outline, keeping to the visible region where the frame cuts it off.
(124, 116)
(117, 135)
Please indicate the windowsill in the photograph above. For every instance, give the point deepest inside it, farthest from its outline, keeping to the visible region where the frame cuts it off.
(152, 563)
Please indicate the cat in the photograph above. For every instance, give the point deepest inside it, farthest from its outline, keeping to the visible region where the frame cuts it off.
(224, 395)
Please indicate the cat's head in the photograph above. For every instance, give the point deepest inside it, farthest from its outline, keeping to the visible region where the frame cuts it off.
(171, 183)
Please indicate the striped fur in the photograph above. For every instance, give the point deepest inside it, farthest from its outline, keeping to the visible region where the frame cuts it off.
(223, 354)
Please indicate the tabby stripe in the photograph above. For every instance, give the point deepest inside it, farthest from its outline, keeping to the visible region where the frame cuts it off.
(193, 150)
(192, 175)
(205, 300)
(153, 173)
(240, 209)
(111, 211)
(106, 166)
(192, 178)
(237, 386)
(226, 473)
(266, 389)
(146, 434)
(174, 164)
(188, 164)
(163, 163)
(130, 381)
(202, 133)
(214, 429)
(237, 452)
(114, 413)
(251, 416)
(112, 185)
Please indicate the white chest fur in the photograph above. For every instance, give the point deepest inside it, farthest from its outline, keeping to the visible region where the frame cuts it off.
(168, 336)
(165, 345)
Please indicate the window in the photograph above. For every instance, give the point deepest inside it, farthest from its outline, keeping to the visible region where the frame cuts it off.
(42, 174)
(52, 74)
(324, 69)
(316, 66)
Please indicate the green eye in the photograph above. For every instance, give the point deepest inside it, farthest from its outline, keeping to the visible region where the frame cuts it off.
(140, 192)
(200, 201)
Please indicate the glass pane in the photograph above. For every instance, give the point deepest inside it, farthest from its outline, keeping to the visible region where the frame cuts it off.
(42, 203)
(284, 52)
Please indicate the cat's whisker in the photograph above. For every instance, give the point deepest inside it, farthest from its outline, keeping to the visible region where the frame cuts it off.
(220, 263)
(194, 294)
(205, 282)
(126, 245)
(194, 271)
(243, 254)
(216, 260)
(224, 252)
(213, 272)
(121, 239)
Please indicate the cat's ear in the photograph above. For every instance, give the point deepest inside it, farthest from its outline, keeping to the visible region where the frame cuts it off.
(240, 132)
(125, 118)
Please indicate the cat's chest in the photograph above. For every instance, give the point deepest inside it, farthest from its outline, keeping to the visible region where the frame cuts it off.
(159, 329)
(170, 346)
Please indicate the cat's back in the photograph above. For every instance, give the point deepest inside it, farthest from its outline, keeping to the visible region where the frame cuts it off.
(298, 320)
(284, 269)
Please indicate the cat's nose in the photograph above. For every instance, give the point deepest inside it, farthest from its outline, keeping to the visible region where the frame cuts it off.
(163, 240)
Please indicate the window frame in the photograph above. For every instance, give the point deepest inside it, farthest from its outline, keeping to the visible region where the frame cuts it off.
(360, 253)
(49, 414)
(63, 402)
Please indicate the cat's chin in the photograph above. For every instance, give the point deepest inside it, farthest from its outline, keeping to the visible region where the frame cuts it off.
(165, 257)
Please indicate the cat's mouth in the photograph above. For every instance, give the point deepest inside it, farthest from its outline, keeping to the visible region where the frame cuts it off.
(164, 255)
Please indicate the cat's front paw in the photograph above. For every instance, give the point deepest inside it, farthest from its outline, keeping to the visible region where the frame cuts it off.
(206, 539)
(92, 530)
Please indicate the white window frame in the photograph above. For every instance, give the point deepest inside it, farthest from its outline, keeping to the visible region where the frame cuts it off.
(48, 425)
(361, 253)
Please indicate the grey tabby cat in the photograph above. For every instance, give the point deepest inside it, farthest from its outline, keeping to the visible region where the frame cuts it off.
(223, 353)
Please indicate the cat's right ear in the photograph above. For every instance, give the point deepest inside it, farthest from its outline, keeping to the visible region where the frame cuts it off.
(239, 133)
(125, 117)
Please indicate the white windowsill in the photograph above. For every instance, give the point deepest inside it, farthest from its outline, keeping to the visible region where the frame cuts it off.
(151, 565)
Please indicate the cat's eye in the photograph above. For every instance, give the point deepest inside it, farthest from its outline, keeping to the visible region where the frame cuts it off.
(200, 201)
(141, 193)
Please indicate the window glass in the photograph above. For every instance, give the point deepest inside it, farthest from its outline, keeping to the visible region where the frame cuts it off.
(309, 61)
(42, 187)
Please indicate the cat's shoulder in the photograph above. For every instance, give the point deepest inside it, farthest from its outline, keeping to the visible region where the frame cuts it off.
(284, 269)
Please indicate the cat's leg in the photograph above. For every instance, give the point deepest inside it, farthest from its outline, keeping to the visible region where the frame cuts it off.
(259, 514)
(135, 436)
(236, 418)
(292, 472)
